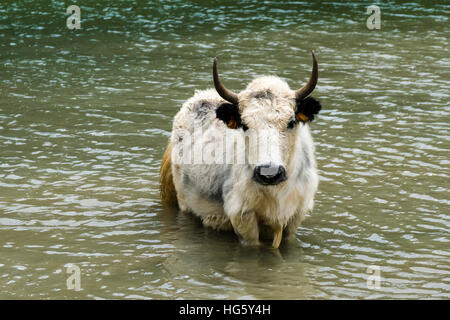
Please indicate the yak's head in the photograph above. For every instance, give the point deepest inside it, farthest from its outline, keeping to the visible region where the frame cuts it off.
(271, 115)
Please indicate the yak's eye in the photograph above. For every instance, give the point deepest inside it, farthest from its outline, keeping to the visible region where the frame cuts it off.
(291, 124)
(244, 127)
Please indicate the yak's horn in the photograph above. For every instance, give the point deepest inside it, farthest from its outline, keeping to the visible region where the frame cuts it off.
(228, 95)
(309, 87)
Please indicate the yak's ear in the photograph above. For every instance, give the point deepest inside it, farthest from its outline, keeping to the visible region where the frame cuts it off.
(307, 109)
(229, 113)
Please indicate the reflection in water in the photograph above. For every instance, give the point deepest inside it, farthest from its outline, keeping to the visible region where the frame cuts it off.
(85, 117)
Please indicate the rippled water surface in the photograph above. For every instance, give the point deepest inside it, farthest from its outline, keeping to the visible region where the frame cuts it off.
(85, 116)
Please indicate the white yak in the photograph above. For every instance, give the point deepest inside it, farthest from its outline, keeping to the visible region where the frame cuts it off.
(244, 161)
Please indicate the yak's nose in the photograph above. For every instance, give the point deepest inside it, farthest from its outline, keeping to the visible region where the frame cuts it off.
(269, 174)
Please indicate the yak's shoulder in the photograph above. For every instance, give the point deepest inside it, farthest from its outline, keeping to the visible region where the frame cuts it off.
(203, 101)
(199, 109)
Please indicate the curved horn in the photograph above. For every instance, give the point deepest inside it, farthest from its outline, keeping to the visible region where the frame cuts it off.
(309, 87)
(228, 95)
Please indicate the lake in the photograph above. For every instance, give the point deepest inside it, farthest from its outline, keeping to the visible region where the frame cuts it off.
(85, 116)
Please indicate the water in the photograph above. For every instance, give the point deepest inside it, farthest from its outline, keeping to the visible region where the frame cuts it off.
(85, 116)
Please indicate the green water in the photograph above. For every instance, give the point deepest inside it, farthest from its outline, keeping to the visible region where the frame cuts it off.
(85, 116)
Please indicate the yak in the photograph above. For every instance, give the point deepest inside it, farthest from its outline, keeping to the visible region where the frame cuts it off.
(244, 161)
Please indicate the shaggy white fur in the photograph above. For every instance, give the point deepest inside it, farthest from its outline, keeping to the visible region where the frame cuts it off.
(221, 191)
